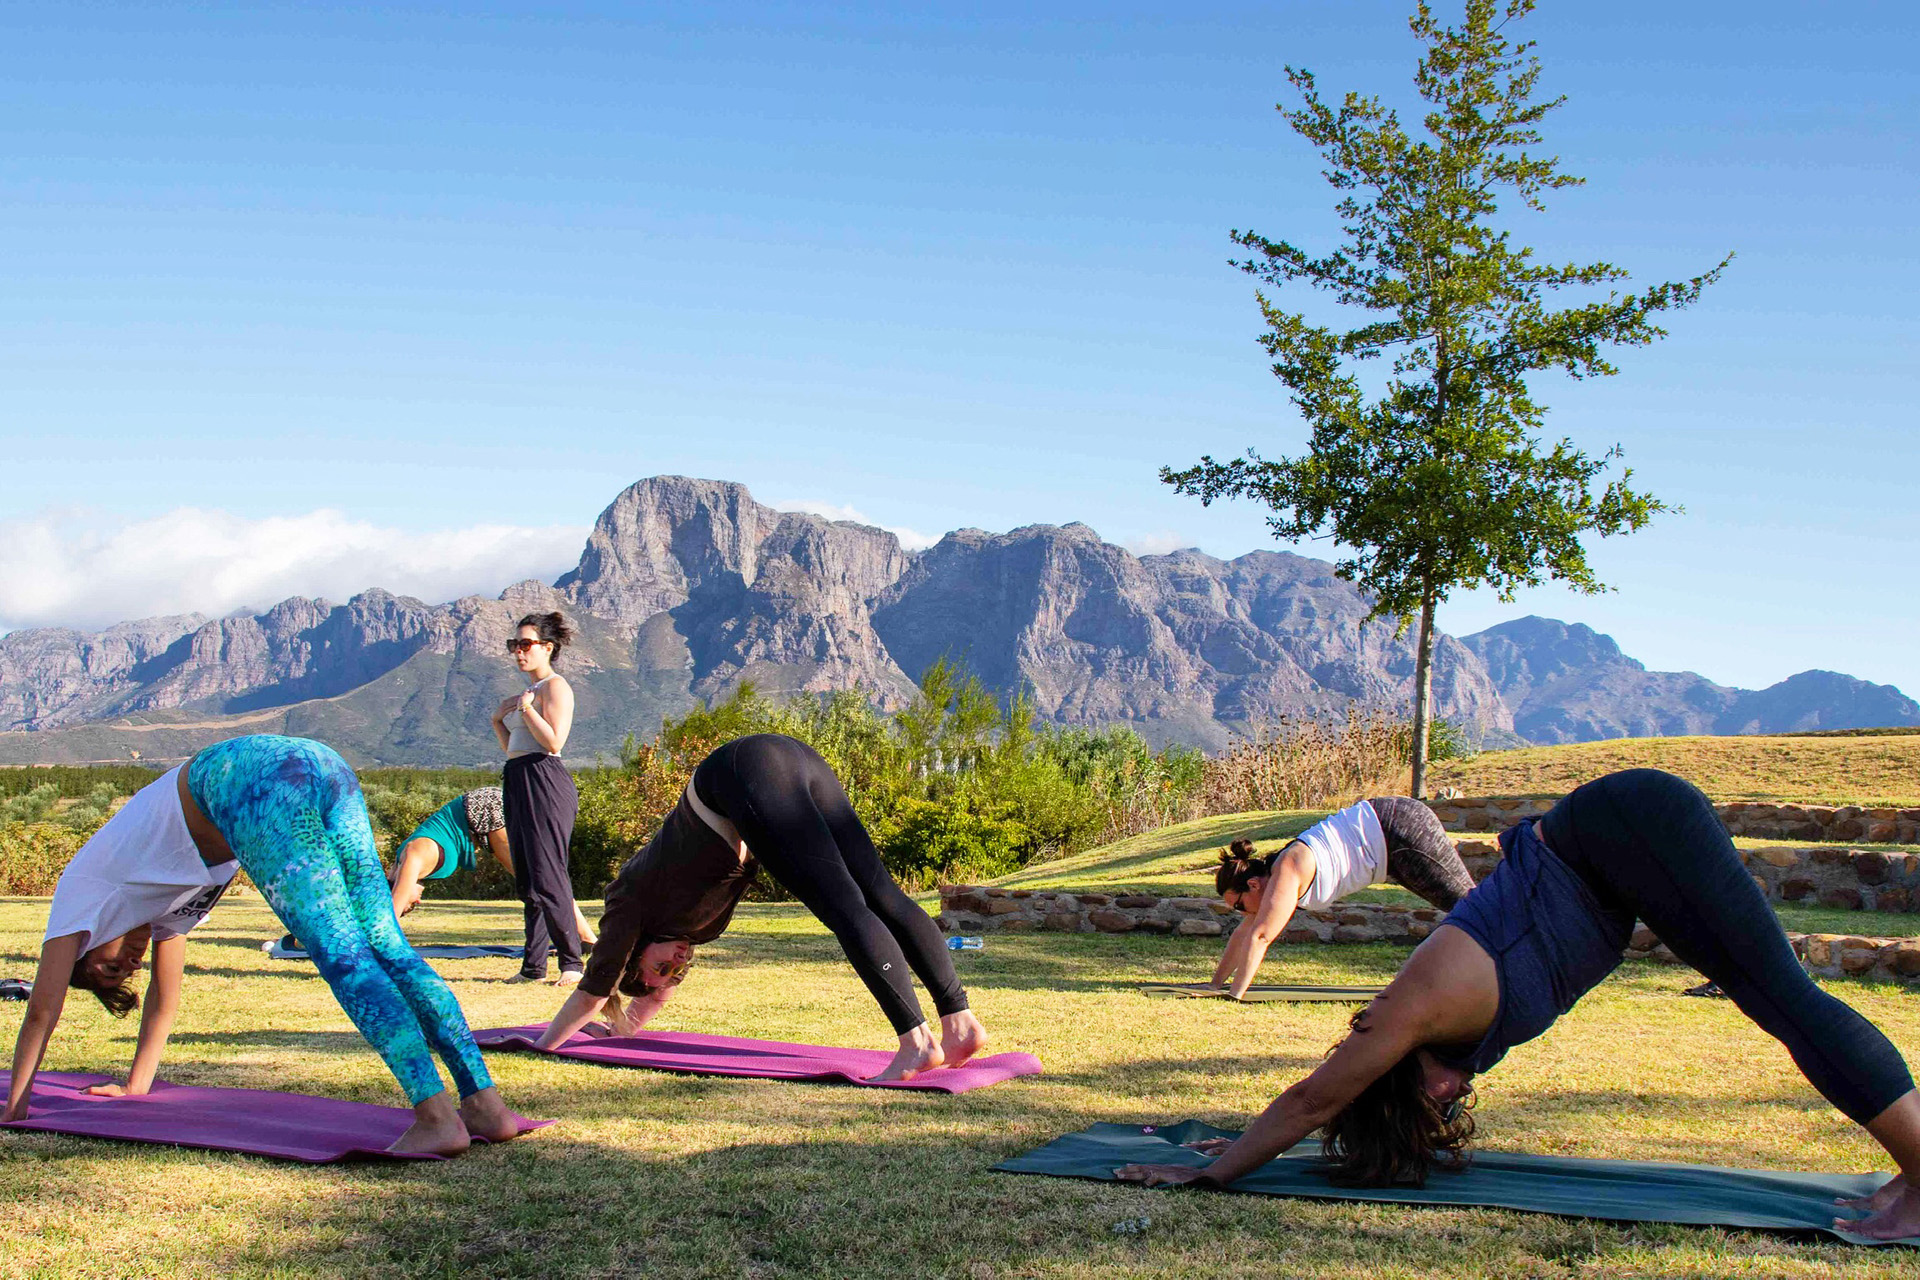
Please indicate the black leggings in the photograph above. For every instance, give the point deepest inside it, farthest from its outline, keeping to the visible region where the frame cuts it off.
(1649, 842)
(540, 803)
(1419, 854)
(797, 823)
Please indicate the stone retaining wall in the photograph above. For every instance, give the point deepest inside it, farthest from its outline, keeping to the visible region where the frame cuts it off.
(1752, 819)
(981, 909)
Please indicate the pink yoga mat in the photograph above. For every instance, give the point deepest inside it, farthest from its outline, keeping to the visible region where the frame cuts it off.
(761, 1059)
(287, 1126)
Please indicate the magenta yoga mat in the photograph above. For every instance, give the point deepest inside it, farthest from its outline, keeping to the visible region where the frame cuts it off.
(760, 1059)
(286, 1126)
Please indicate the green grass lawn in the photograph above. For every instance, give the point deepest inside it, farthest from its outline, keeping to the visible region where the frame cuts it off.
(648, 1173)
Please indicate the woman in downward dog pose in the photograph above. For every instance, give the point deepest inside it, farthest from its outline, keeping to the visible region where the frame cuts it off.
(289, 812)
(769, 801)
(1391, 838)
(1522, 948)
(541, 801)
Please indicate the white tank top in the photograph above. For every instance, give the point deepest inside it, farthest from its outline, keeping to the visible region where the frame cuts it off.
(520, 739)
(1349, 853)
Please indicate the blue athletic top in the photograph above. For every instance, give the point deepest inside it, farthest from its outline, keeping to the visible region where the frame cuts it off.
(1551, 941)
(447, 827)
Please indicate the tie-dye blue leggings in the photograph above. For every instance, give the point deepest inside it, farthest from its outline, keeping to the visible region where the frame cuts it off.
(292, 812)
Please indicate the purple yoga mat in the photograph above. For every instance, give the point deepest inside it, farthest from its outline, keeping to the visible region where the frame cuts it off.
(287, 1126)
(761, 1059)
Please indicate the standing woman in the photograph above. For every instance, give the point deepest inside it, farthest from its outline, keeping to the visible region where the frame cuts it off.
(540, 798)
(289, 812)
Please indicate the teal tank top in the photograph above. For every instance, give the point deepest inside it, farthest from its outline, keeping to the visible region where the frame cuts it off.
(447, 827)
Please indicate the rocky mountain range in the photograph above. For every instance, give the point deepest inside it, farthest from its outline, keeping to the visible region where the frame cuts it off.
(686, 587)
(1568, 683)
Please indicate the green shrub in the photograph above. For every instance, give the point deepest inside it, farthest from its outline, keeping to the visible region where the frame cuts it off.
(923, 842)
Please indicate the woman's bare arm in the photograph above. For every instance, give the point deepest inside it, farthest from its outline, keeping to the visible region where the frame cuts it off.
(158, 1009)
(1448, 992)
(57, 958)
(575, 1013)
(1292, 872)
(1235, 955)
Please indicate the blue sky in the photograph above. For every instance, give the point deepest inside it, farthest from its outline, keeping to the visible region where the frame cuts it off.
(307, 298)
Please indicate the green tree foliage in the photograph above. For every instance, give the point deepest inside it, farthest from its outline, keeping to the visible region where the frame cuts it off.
(1437, 479)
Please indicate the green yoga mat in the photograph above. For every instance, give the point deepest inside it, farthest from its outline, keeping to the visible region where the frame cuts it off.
(1259, 994)
(1618, 1190)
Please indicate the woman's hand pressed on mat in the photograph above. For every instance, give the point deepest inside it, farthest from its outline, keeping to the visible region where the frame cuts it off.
(1166, 1175)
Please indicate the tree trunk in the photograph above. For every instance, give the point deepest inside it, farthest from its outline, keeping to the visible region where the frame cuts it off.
(1422, 698)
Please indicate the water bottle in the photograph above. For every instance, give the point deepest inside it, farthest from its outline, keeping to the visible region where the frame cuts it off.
(958, 943)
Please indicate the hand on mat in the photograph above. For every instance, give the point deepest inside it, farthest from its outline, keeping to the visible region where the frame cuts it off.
(1162, 1175)
(1209, 1146)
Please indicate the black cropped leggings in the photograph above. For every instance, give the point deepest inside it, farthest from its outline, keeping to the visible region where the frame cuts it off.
(1420, 857)
(797, 823)
(1650, 843)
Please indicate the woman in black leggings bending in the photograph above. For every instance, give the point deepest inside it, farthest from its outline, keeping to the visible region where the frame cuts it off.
(1536, 935)
(769, 801)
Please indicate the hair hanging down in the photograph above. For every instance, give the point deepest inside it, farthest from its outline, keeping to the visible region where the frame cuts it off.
(553, 628)
(1239, 865)
(1394, 1133)
(120, 1001)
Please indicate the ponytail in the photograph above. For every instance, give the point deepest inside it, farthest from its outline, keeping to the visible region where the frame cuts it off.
(1239, 865)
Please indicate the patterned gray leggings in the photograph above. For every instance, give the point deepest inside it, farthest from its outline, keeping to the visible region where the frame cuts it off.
(1419, 855)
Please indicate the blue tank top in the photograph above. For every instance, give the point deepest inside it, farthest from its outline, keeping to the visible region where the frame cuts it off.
(1551, 941)
(447, 827)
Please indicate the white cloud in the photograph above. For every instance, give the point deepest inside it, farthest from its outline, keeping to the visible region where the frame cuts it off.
(1157, 544)
(74, 569)
(911, 539)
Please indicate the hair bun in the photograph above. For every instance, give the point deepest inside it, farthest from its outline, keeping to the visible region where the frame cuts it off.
(1242, 848)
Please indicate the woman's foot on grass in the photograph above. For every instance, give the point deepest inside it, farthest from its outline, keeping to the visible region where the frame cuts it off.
(918, 1052)
(436, 1130)
(961, 1037)
(485, 1116)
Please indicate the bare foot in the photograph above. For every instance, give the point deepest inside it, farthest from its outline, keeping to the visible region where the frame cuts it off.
(961, 1037)
(436, 1130)
(1889, 1192)
(1897, 1219)
(919, 1051)
(485, 1116)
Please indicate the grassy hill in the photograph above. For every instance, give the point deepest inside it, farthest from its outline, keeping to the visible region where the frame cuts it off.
(1870, 770)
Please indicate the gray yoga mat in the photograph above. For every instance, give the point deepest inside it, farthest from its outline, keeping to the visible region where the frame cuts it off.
(1617, 1190)
(430, 951)
(1259, 994)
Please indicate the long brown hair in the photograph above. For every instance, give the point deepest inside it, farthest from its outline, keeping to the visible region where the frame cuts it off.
(120, 1001)
(1239, 866)
(1395, 1133)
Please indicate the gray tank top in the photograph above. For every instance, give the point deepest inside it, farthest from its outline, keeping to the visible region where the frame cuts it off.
(1551, 941)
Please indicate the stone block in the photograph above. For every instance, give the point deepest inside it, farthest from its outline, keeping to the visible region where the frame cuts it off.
(1017, 924)
(1795, 889)
(1111, 921)
(968, 900)
(1297, 933)
(1819, 949)
(1425, 913)
(1476, 849)
(1776, 857)
(1904, 959)
(1095, 899)
(1137, 901)
(1020, 893)
(1004, 907)
(1829, 857)
(943, 922)
(1152, 925)
(1643, 939)
(1841, 899)
(1199, 928)
(1355, 933)
(1847, 829)
(1883, 831)
(1353, 918)
(1891, 899)
(1220, 908)
(1191, 904)
(1664, 954)
(996, 893)
(1859, 959)
(1064, 921)
(1478, 822)
(1418, 929)
(1447, 814)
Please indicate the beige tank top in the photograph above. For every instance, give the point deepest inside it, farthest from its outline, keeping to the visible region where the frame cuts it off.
(520, 739)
